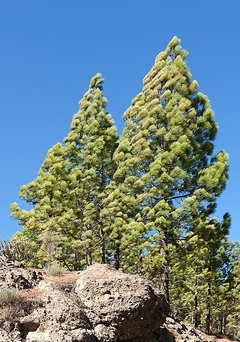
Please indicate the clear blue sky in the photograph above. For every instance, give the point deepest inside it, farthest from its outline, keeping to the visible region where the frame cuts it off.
(51, 49)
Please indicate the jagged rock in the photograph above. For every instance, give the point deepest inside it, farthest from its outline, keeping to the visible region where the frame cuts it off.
(96, 305)
(61, 318)
(13, 275)
(120, 305)
(99, 304)
(184, 332)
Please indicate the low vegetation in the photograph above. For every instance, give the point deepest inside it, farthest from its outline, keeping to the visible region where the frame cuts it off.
(8, 296)
(14, 304)
(54, 270)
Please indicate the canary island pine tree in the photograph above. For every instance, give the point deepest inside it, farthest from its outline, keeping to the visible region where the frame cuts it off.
(67, 195)
(89, 147)
(198, 270)
(45, 195)
(167, 176)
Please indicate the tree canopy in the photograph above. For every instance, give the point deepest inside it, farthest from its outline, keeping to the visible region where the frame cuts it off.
(143, 202)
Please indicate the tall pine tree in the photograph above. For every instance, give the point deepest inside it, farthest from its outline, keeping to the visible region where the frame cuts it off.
(89, 147)
(167, 175)
(67, 195)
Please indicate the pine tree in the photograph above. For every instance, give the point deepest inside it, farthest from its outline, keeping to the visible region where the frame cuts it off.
(199, 270)
(226, 299)
(44, 195)
(144, 204)
(167, 175)
(89, 147)
(67, 195)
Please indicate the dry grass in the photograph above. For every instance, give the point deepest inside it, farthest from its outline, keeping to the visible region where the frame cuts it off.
(20, 307)
(54, 270)
(8, 295)
(224, 339)
(16, 303)
(65, 276)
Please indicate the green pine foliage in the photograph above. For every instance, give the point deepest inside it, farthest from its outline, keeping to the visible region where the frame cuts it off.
(143, 202)
(67, 195)
(89, 147)
(167, 179)
(203, 266)
(45, 195)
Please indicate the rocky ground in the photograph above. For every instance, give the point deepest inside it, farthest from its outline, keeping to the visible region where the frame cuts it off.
(182, 332)
(99, 304)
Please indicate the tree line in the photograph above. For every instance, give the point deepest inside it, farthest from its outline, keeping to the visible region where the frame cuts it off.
(144, 201)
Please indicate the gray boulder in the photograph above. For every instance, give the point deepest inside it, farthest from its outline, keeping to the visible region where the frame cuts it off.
(120, 306)
(96, 305)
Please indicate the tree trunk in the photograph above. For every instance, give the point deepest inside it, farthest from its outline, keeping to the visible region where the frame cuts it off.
(140, 270)
(117, 256)
(220, 323)
(88, 258)
(224, 323)
(117, 251)
(164, 286)
(102, 246)
(164, 272)
(196, 315)
(208, 316)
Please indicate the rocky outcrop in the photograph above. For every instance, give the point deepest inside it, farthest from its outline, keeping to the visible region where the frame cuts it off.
(120, 306)
(14, 275)
(181, 332)
(99, 304)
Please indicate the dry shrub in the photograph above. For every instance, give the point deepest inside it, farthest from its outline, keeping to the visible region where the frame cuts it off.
(21, 306)
(15, 305)
(8, 295)
(54, 269)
